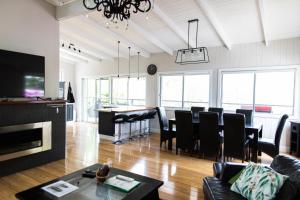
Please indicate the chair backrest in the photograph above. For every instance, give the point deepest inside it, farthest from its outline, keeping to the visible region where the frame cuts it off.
(217, 110)
(163, 119)
(184, 129)
(234, 135)
(248, 115)
(196, 110)
(279, 130)
(209, 133)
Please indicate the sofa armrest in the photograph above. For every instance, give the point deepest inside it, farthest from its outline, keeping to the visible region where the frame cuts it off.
(217, 168)
(230, 169)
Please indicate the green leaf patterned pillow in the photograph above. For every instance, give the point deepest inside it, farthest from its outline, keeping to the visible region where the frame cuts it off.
(258, 182)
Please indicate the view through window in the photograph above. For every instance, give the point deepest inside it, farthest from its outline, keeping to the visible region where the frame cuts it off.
(184, 90)
(263, 91)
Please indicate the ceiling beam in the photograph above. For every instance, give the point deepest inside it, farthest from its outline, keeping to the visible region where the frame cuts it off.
(94, 42)
(173, 26)
(116, 36)
(70, 58)
(213, 20)
(151, 38)
(81, 55)
(68, 39)
(73, 9)
(261, 10)
(66, 60)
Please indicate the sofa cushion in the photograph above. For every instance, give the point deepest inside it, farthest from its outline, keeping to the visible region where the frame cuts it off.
(258, 182)
(291, 167)
(214, 188)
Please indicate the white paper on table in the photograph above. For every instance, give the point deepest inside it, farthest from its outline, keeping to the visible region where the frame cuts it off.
(65, 187)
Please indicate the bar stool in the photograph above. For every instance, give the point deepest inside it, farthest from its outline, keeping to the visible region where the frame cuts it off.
(119, 119)
(149, 116)
(141, 119)
(131, 119)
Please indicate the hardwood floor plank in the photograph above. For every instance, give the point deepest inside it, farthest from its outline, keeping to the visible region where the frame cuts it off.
(182, 174)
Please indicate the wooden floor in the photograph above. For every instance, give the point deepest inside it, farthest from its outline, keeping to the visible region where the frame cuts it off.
(182, 174)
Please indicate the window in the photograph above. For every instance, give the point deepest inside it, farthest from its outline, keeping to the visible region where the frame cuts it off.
(171, 91)
(276, 91)
(237, 91)
(137, 91)
(184, 90)
(129, 91)
(196, 90)
(104, 90)
(119, 91)
(263, 91)
(89, 100)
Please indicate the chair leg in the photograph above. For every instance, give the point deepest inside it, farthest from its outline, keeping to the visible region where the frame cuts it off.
(176, 150)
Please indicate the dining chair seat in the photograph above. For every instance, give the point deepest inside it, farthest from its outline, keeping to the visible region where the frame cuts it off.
(269, 146)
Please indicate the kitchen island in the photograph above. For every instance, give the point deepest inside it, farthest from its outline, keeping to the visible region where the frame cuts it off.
(108, 128)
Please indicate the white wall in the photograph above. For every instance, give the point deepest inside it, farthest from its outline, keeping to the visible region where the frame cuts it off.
(281, 52)
(29, 26)
(68, 76)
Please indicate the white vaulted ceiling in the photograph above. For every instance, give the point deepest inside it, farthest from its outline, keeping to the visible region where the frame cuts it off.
(221, 23)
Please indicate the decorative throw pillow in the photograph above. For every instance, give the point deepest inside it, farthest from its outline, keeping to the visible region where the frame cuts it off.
(258, 182)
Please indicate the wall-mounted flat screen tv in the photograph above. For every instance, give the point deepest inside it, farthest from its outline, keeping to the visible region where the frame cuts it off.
(21, 75)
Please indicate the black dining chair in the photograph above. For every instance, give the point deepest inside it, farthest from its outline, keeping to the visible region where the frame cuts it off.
(236, 144)
(210, 139)
(217, 110)
(269, 146)
(165, 134)
(185, 137)
(196, 110)
(248, 115)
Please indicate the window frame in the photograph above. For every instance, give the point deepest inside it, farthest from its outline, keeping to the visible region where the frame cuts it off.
(255, 70)
(183, 74)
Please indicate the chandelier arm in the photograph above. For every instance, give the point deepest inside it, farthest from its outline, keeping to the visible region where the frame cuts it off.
(119, 9)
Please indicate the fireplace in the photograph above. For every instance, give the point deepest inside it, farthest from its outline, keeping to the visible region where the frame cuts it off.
(24, 139)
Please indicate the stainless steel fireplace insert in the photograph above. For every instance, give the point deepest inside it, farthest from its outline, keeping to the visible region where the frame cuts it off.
(24, 139)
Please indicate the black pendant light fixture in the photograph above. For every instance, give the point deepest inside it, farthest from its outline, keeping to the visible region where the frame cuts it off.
(118, 9)
(129, 61)
(118, 59)
(192, 55)
(138, 64)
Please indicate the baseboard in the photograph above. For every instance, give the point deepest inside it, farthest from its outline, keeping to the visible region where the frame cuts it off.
(107, 137)
(154, 130)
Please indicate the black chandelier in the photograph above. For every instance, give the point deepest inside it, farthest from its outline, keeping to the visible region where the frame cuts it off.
(118, 9)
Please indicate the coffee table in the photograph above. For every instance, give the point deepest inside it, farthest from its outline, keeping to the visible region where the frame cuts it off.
(90, 189)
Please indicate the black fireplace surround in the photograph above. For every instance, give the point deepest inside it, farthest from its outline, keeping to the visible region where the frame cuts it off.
(41, 151)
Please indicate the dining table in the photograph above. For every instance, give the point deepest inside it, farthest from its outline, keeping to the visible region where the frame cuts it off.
(253, 129)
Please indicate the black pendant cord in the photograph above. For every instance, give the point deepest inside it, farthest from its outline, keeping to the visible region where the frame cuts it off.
(129, 61)
(118, 59)
(138, 65)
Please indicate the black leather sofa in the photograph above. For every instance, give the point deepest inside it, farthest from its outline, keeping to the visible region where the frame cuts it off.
(217, 186)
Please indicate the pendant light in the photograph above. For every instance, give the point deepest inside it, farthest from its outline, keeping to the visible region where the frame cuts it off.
(138, 65)
(118, 59)
(129, 61)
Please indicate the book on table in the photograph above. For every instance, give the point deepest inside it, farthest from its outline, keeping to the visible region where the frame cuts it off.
(121, 184)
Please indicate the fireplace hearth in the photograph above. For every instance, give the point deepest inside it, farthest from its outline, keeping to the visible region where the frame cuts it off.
(24, 139)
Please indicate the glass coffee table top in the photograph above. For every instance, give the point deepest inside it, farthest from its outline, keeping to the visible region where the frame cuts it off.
(88, 188)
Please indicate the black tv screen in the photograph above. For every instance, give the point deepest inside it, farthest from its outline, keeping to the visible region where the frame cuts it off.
(21, 75)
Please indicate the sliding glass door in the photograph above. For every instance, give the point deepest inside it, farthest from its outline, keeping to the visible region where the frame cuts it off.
(95, 92)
